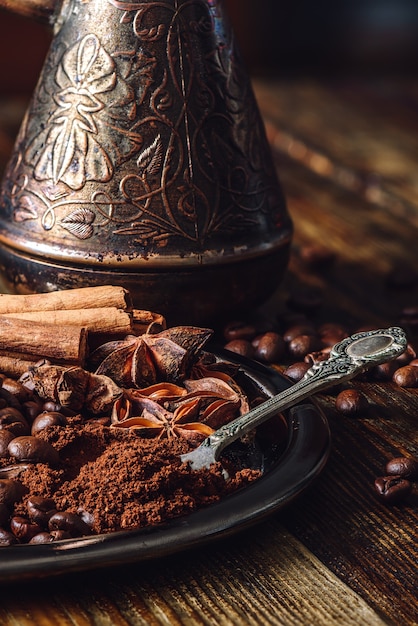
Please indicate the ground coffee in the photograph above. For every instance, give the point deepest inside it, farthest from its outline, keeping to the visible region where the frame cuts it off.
(115, 480)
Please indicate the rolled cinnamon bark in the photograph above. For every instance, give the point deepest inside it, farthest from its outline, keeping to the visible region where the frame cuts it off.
(14, 365)
(68, 299)
(66, 344)
(109, 320)
(147, 321)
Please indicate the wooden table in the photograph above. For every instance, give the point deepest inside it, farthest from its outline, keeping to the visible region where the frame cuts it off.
(347, 156)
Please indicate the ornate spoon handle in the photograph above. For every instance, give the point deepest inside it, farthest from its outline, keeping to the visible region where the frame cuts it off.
(348, 358)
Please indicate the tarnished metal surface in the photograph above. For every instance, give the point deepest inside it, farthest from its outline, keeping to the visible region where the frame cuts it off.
(143, 151)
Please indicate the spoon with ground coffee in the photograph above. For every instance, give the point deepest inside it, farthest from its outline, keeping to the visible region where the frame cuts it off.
(347, 359)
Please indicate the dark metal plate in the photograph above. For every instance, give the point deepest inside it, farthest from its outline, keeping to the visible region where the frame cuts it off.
(286, 474)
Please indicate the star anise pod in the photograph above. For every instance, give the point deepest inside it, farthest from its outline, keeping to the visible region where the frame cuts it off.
(150, 358)
(164, 408)
(226, 398)
(200, 406)
(148, 418)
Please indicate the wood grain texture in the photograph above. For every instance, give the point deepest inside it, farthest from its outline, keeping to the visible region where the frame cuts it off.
(370, 546)
(262, 577)
(363, 137)
(373, 547)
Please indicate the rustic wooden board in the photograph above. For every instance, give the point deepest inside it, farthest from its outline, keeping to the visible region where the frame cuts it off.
(370, 546)
(265, 576)
(350, 129)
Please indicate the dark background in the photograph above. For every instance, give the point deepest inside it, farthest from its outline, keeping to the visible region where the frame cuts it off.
(328, 36)
(281, 37)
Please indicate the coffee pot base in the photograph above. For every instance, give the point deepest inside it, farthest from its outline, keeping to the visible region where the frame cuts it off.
(203, 295)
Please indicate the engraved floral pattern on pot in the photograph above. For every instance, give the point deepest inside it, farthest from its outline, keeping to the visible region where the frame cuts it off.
(151, 137)
(72, 150)
(86, 138)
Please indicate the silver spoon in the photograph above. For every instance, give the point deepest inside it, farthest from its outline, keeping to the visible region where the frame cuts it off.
(347, 359)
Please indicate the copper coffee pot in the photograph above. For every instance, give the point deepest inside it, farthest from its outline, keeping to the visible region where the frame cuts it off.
(142, 161)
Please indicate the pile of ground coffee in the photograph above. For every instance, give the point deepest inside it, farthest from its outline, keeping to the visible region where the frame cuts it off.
(115, 480)
(74, 461)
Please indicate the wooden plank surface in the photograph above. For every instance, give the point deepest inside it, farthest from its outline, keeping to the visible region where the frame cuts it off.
(347, 156)
(370, 546)
(364, 137)
(274, 580)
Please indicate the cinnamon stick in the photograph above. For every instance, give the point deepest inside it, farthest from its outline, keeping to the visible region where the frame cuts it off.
(59, 343)
(83, 298)
(15, 365)
(147, 321)
(107, 320)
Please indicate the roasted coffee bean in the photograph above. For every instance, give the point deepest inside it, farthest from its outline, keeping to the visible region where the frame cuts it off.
(296, 371)
(12, 419)
(4, 515)
(30, 449)
(10, 491)
(242, 347)
(317, 357)
(406, 357)
(58, 535)
(405, 466)
(27, 380)
(392, 489)
(70, 522)
(413, 363)
(351, 402)
(42, 537)
(87, 517)
(14, 471)
(45, 419)
(45, 537)
(330, 334)
(5, 438)
(50, 405)
(255, 341)
(270, 347)
(10, 399)
(6, 538)
(24, 529)
(300, 346)
(296, 330)
(31, 408)
(16, 389)
(384, 371)
(40, 509)
(239, 330)
(406, 376)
